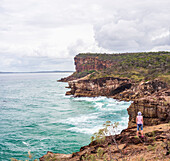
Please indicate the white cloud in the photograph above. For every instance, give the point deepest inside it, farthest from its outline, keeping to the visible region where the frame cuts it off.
(37, 34)
(140, 26)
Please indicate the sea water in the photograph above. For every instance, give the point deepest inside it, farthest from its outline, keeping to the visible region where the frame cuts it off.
(36, 116)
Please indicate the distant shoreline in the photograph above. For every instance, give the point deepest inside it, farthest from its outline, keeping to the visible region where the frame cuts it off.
(37, 72)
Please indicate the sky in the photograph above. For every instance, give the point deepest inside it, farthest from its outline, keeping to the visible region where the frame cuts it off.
(44, 35)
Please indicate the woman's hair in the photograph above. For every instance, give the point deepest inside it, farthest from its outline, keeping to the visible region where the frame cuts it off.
(139, 113)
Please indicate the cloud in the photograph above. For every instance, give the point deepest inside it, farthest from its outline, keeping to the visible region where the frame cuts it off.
(35, 35)
(139, 27)
(34, 63)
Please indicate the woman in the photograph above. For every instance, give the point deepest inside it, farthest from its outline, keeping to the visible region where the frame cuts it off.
(139, 121)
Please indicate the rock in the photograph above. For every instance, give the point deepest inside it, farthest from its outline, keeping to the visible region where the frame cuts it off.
(151, 98)
(51, 155)
(127, 142)
(107, 86)
(92, 63)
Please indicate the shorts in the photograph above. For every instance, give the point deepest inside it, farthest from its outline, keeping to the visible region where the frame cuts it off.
(139, 126)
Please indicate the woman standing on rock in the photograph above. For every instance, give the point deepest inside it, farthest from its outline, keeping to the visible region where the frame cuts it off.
(139, 121)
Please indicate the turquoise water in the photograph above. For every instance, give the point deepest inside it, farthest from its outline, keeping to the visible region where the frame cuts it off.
(36, 116)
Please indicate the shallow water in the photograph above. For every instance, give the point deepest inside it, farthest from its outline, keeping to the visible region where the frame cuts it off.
(36, 115)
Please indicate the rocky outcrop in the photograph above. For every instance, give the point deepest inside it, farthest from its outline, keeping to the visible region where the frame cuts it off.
(152, 98)
(66, 79)
(153, 146)
(107, 86)
(154, 111)
(92, 63)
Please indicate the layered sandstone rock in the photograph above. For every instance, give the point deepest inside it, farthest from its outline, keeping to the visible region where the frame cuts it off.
(152, 98)
(154, 111)
(107, 86)
(92, 63)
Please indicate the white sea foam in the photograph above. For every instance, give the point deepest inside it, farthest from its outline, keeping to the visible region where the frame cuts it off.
(85, 130)
(25, 143)
(91, 130)
(98, 105)
(92, 99)
(103, 106)
(81, 119)
(92, 122)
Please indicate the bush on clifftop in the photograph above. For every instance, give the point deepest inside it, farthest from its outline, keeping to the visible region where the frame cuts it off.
(136, 66)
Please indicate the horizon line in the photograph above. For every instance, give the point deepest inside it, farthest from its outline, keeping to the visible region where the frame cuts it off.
(57, 71)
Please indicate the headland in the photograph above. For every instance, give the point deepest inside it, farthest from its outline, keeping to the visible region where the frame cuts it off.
(144, 79)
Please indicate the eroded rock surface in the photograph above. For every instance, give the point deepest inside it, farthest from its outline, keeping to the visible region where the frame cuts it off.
(107, 86)
(152, 98)
(153, 146)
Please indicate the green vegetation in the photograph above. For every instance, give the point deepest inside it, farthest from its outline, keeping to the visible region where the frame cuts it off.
(137, 66)
(152, 147)
(106, 131)
(82, 74)
(100, 136)
(89, 157)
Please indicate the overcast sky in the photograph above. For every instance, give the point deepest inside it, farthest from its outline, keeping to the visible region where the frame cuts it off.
(46, 34)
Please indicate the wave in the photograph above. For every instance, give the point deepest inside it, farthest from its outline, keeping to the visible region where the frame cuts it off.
(92, 129)
(81, 119)
(103, 109)
(85, 130)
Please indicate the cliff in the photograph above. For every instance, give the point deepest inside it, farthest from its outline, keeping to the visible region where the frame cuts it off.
(142, 78)
(125, 77)
(154, 146)
(134, 66)
(152, 98)
(92, 63)
(107, 86)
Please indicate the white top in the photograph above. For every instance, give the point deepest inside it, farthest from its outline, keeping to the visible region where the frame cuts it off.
(139, 119)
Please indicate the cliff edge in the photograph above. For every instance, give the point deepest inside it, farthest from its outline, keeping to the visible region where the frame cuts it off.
(142, 78)
(139, 77)
(153, 146)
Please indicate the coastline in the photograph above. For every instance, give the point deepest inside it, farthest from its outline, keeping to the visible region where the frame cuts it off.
(154, 146)
(156, 130)
(151, 97)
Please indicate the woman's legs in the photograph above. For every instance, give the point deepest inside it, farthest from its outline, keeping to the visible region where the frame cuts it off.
(137, 130)
(142, 130)
(141, 127)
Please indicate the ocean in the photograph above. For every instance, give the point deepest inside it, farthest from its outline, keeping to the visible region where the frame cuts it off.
(36, 116)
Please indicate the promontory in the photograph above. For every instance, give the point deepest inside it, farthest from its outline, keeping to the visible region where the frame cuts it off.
(144, 79)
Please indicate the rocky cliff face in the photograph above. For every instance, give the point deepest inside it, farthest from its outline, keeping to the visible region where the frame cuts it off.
(154, 111)
(108, 86)
(152, 98)
(92, 63)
